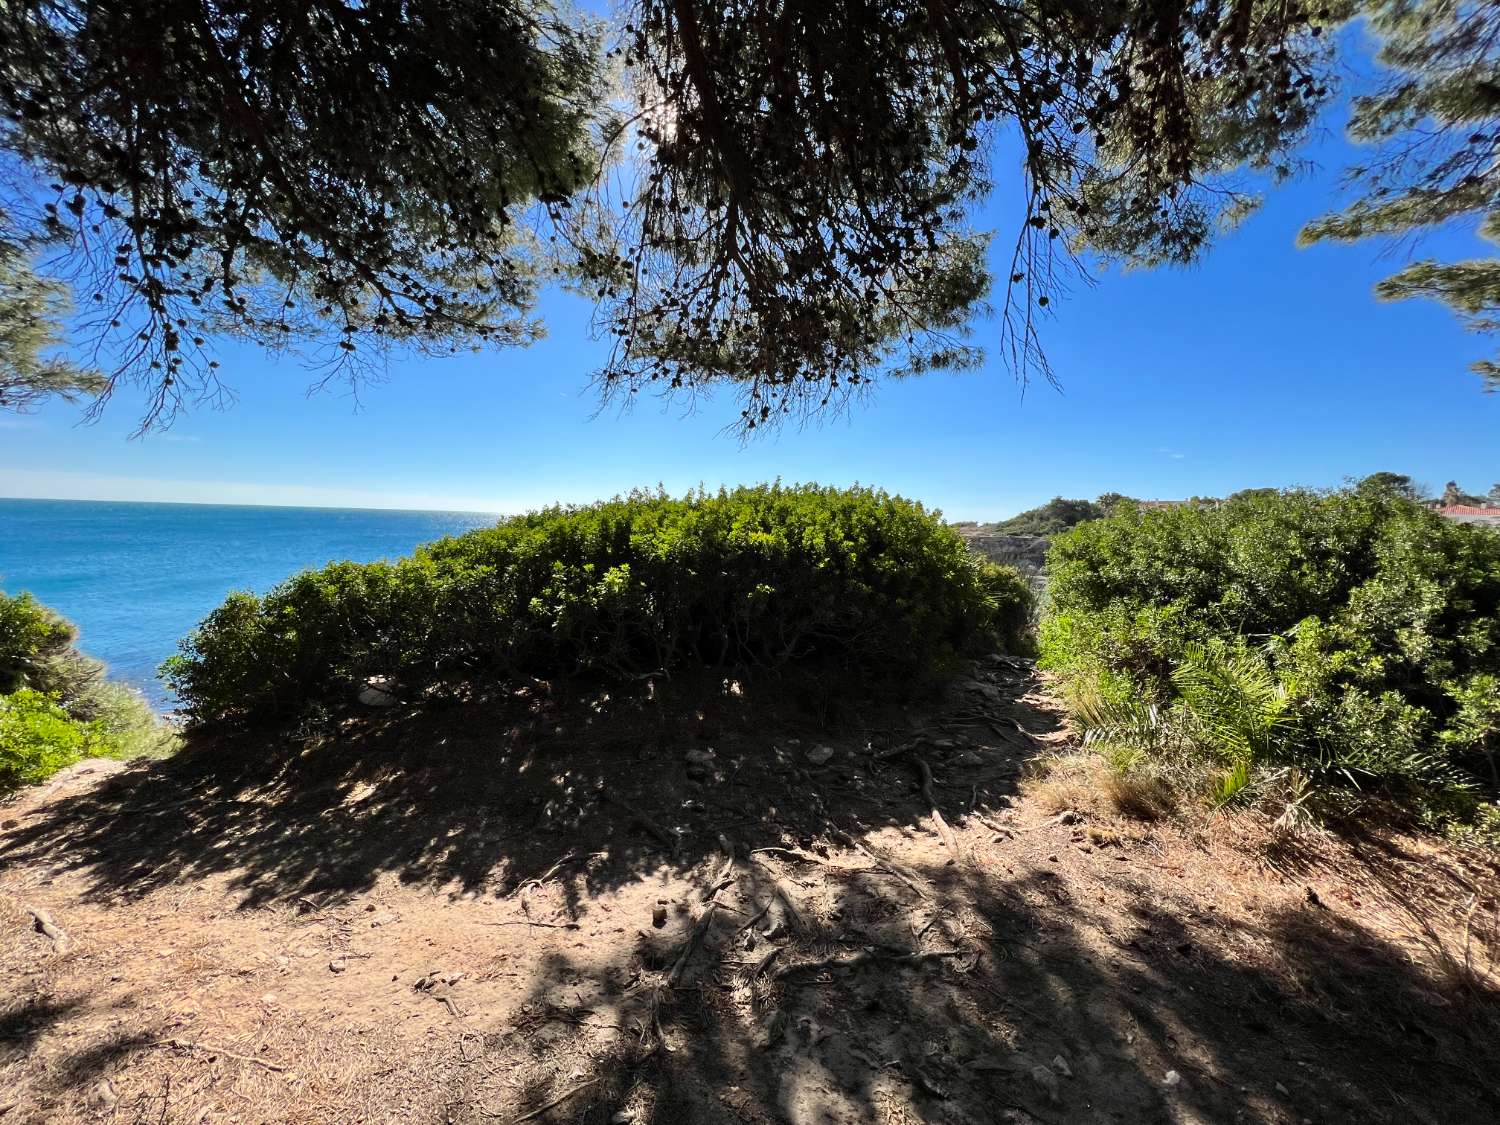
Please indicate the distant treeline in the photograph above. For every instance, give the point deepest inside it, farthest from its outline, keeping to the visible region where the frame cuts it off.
(1059, 514)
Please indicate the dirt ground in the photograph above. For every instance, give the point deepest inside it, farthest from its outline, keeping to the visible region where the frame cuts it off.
(530, 911)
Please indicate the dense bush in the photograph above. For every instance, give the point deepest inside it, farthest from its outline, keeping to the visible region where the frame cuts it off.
(36, 649)
(38, 738)
(55, 705)
(1310, 646)
(1051, 518)
(756, 578)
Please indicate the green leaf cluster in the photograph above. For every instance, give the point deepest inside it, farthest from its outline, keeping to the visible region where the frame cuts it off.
(1433, 130)
(38, 737)
(55, 705)
(1333, 645)
(32, 311)
(1056, 515)
(758, 579)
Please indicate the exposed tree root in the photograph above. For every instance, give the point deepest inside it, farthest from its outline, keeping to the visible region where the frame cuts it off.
(944, 831)
(557, 1101)
(869, 956)
(43, 923)
(884, 865)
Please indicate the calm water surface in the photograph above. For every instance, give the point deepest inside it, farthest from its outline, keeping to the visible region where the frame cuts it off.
(136, 577)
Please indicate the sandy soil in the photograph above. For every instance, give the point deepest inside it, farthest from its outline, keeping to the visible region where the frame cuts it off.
(530, 911)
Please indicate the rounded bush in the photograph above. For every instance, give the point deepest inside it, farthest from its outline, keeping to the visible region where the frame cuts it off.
(754, 578)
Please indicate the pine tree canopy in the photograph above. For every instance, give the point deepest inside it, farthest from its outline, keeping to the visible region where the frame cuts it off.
(31, 312)
(1435, 130)
(772, 194)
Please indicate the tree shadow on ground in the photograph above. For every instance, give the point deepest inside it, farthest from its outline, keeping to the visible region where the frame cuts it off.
(479, 798)
(1064, 985)
(1051, 1011)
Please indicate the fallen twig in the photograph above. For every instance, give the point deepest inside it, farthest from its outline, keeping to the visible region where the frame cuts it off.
(757, 916)
(185, 1045)
(884, 865)
(555, 868)
(557, 1101)
(530, 922)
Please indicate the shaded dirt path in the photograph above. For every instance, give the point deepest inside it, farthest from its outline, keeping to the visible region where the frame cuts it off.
(531, 912)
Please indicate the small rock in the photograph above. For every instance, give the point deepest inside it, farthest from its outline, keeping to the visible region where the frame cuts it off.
(1060, 1065)
(384, 918)
(1171, 1080)
(624, 1117)
(337, 965)
(1044, 1078)
(659, 916)
(967, 758)
(1280, 1089)
(437, 978)
(696, 757)
(818, 755)
(268, 998)
(378, 691)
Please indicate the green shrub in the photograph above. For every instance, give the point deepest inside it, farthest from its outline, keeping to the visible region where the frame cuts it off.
(55, 705)
(1051, 518)
(126, 724)
(38, 738)
(36, 650)
(755, 579)
(1311, 646)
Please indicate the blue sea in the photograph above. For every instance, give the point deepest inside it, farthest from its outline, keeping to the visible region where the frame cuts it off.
(137, 577)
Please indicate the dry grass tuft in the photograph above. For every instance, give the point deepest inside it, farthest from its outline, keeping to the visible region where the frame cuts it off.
(1085, 782)
(1138, 796)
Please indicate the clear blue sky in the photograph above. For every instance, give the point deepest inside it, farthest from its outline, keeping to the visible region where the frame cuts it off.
(1263, 365)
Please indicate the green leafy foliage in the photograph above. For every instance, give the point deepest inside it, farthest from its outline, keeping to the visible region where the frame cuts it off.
(56, 706)
(1056, 515)
(1432, 129)
(758, 578)
(38, 737)
(778, 195)
(1336, 645)
(36, 649)
(32, 310)
(1399, 483)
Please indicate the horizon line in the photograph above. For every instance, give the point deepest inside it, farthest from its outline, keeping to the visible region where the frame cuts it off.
(243, 504)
